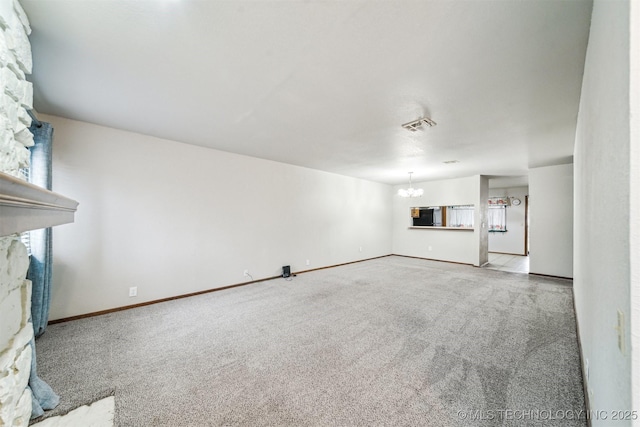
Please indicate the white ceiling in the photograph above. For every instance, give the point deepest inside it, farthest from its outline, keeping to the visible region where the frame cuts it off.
(325, 84)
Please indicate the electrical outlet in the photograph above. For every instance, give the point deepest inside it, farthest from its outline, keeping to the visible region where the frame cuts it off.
(586, 369)
(246, 273)
(133, 291)
(360, 248)
(430, 248)
(307, 262)
(621, 332)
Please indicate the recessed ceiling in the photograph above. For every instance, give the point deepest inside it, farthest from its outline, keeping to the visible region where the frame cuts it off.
(326, 85)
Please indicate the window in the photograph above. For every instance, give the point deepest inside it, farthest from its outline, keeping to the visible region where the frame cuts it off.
(25, 237)
(498, 213)
(460, 216)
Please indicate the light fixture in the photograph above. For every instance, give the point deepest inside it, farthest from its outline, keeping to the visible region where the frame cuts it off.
(417, 124)
(410, 192)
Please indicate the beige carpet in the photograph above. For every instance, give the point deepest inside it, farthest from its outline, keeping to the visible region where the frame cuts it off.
(392, 341)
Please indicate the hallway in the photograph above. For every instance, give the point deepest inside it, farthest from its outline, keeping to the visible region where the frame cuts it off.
(508, 262)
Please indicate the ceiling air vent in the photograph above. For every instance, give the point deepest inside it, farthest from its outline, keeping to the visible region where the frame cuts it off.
(417, 124)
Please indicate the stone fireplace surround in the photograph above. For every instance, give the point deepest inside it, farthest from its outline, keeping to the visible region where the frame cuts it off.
(23, 207)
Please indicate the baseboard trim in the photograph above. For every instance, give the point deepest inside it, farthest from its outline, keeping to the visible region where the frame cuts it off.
(552, 276)
(157, 301)
(193, 294)
(432, 259)
(339, 265)
(585, 385)
(507, 253)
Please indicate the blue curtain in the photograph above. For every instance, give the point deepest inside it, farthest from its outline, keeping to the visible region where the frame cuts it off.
(40, 266)
(44, 398)
(40, 240)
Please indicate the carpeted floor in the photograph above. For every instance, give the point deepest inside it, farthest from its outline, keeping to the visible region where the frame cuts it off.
(391, 341)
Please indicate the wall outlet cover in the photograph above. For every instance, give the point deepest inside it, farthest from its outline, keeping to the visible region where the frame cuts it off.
(620, 327)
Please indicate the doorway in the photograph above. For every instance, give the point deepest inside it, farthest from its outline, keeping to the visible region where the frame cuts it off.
(526, 225)
(508, 232)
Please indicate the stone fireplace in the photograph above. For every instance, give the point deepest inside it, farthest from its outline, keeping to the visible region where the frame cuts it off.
(23, 207)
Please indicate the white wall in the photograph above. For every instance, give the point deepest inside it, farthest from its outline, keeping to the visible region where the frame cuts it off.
(440, 244)
(511, 242)
(172, 218)
(551, 220)
(602, 209)
(634, 192)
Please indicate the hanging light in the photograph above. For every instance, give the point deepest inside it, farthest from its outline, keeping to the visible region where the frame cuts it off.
(410, 192)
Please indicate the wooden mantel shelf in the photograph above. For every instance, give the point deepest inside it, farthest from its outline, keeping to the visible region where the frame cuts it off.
(24, 206)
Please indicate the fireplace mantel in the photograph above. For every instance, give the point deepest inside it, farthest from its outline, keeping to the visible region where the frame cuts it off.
(24, 206)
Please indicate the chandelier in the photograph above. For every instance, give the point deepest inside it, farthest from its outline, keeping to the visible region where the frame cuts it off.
(410, 192)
